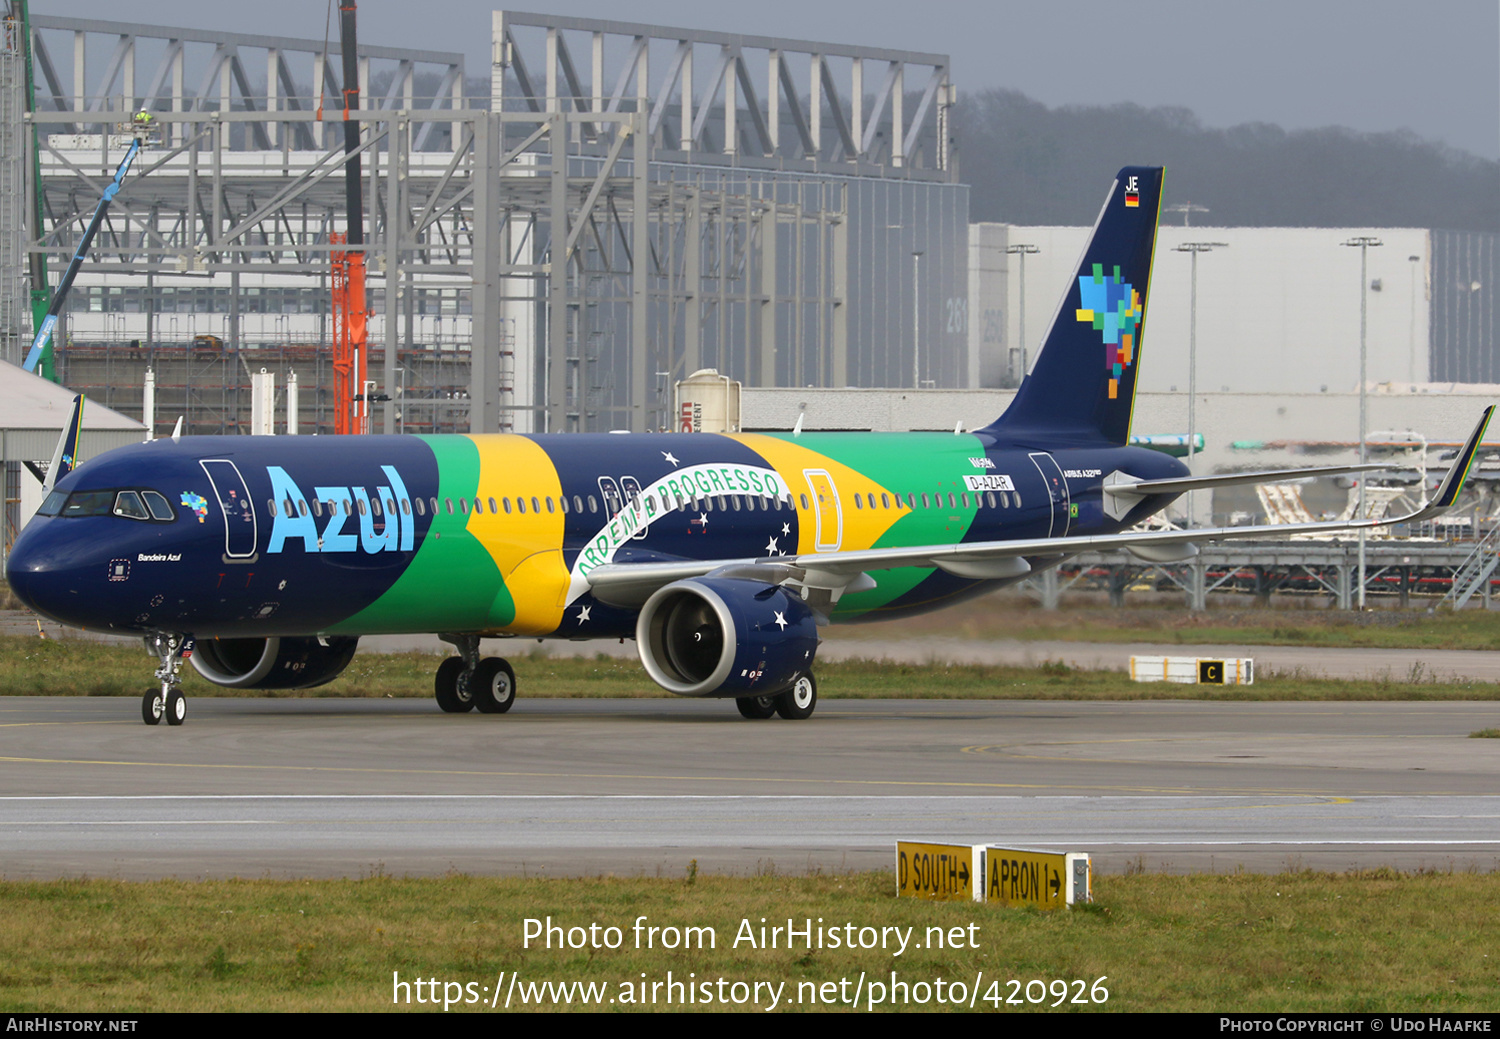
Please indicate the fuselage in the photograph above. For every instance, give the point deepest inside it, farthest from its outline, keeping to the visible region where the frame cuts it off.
(497, 534)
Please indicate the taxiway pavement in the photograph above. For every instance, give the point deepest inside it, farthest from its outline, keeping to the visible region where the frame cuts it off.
(309, 787)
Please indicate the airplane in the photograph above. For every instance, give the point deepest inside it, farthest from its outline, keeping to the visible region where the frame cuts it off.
(263, 560)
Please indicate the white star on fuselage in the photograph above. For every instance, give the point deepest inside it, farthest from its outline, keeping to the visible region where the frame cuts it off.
(771, 547)
(780, 620)
(703, 519)
(786, 528)
(669, 457)
(583, 613)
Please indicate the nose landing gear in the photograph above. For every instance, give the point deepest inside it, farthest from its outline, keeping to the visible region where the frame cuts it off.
(167, 701)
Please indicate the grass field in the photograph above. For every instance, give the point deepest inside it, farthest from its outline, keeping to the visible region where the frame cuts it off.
(1299, 941)
(1008, 615)
(31, 666)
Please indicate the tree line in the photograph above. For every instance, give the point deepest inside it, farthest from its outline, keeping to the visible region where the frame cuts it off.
(1030, 164)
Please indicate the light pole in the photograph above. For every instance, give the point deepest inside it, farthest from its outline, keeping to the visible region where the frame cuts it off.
(1411, 360)
(916, 319)
(1022, 251)
(1193, 249)
(1365, 243)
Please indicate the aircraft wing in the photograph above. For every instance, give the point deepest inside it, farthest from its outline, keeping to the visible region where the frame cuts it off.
(837, 572)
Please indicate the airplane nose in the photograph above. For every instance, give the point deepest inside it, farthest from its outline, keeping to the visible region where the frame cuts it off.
(47, 577)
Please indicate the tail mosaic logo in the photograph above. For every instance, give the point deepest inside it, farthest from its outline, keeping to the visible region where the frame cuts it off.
(1113, 307)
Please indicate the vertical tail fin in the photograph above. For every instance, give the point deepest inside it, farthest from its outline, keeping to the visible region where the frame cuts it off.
(65, 457)
(1082, 387)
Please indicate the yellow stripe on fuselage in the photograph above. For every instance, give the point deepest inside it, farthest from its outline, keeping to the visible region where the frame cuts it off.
(526, 547)
(862, 527)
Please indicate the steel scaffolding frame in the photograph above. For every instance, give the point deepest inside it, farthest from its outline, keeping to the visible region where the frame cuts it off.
(632, 232)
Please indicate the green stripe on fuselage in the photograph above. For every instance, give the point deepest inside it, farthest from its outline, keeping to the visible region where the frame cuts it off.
(452, 579)
(904, 463)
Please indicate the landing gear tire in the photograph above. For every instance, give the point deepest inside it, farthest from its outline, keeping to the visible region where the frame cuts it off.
(494, 686)
(756, 708)
(176, 708)
(153, 706)
(800, 700)
(452, 695)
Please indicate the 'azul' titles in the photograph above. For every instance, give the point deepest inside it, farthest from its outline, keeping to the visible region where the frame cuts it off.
(381, 526)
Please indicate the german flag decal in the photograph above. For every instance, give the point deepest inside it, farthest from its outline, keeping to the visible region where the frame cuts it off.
(1132, 193)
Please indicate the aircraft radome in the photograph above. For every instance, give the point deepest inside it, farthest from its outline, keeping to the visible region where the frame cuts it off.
(266, 558)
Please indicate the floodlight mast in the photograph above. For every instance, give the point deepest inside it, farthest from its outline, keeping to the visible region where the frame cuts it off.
(1365, 243)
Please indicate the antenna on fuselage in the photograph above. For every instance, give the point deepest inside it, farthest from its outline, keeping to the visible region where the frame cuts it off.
(797, 429)
(177, 430)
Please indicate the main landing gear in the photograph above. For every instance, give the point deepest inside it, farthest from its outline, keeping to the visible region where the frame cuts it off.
(466, 681)
(795, 704)
(167, 701)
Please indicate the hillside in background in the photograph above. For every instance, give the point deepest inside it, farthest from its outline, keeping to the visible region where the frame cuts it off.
(1030, 164)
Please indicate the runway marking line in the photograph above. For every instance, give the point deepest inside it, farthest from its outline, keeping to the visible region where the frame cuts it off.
(777, 780)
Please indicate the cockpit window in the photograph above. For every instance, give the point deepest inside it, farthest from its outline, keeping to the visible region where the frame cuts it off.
(89, 503)
(160, 508)
(129, 505)
(138, 504)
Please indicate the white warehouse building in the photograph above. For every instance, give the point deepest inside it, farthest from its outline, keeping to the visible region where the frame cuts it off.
(1278, 308)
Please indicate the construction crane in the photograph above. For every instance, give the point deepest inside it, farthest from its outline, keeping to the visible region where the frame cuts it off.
(142, 131)
(350, 312)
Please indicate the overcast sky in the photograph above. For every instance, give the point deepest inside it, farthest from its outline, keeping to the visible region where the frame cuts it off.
(1372, 65)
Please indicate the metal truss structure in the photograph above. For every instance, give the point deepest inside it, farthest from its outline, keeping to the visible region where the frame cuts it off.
(1432, 569)
(598, 236)
(13, 193)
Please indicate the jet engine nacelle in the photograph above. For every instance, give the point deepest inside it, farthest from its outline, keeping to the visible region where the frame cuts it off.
(273, 663)
(716, 636)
